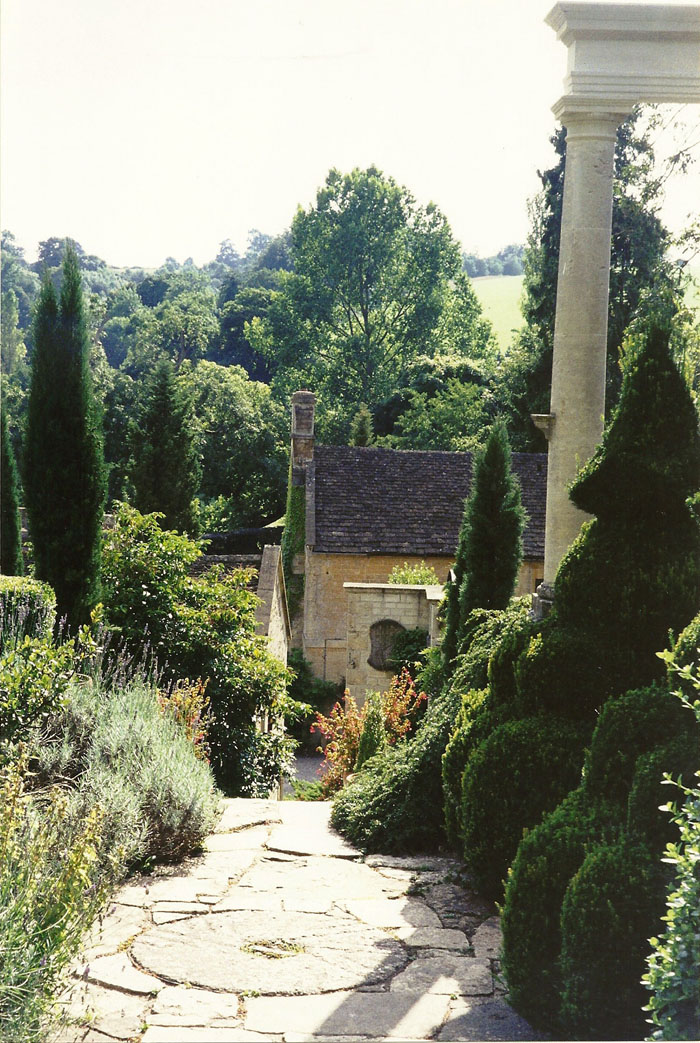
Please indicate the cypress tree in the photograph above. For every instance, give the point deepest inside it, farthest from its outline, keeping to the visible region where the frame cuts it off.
(165, 470)
(65, 479)
(489, 550)
(10, 525)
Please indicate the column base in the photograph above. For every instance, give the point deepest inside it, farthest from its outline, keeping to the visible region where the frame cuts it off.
(543, 600)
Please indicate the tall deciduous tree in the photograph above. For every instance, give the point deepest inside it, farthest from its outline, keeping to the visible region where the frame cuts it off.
(65, 480)
(10, 526)
(373, 275)
(490, 549)
(165, 471)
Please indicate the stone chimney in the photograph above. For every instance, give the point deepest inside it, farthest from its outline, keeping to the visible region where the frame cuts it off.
(303, 410)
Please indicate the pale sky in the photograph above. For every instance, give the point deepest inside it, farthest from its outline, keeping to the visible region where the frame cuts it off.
(149, 128)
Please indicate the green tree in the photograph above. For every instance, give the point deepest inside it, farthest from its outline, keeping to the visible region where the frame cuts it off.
(11, 339)
(242, 436)
(454, 418)
(361, 429)
(165, 471)
(373, 274)
(65, 479)
(489, 550)
(234, 347)
(10, 525)
(639, 272)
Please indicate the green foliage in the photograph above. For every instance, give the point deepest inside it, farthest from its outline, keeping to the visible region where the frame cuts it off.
(394, 803)
(376, 282)
(611, 907)
(27, 609)
(544, 757)
(673, 967)
(372, 736)
(393, 713)
(489, 548)
(309, 691)
(414, 574)
(302, 790)
(453, 418)
(546, 859)
(34, 676)
(145, 574)
(137, 762)
(594, 863)
(407, 649)
(455, 757)
(165, 470)
(65, 480)
(641, 556)
(242, 437)
(629, 726)
(199, 628)
(10, 525)
(494, 521)
(361, 428)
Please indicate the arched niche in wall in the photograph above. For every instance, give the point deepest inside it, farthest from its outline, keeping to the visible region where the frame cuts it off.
(382, 636)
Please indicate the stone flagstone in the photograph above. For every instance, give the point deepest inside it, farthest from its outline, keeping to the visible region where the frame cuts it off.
(118, 972)
(377, 1015)
(181, 1007)
(248, 943)
(446, 975)
(283, 953)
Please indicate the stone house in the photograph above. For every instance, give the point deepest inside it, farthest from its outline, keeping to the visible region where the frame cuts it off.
(367, 510)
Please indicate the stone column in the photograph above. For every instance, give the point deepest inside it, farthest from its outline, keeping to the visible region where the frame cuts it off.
(575, 424)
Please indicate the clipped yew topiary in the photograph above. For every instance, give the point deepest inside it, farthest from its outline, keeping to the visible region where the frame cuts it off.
(547, 858)
(542, 757)
(632, 576)
(612, 905)
(634, 573)
(571, 972)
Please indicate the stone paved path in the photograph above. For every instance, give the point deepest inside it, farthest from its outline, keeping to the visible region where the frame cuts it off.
(282, 931)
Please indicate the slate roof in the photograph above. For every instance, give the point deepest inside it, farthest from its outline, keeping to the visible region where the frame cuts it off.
(390, 501)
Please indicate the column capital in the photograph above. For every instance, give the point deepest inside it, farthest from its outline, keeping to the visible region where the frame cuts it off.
(602, 115)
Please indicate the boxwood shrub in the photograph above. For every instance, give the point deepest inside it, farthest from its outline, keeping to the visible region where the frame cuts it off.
(612, 906)
(544, 756)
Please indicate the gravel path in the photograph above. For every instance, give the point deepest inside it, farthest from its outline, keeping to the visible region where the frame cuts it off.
(283, 931)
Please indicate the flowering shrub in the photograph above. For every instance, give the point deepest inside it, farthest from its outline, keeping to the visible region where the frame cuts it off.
(414, 574)
(343, 728)
(187, 704)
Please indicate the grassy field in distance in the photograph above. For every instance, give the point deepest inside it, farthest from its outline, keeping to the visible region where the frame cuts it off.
(499, 296)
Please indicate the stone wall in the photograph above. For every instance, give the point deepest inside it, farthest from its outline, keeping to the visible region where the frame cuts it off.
(323, 634)
(272, 616)
(369, 605)
(325, 602)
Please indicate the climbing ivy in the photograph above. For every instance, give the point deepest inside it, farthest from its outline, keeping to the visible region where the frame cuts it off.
(293, 542)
